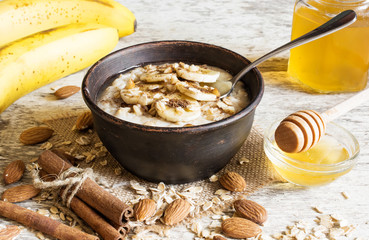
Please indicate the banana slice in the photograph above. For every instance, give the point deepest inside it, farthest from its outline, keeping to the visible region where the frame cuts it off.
(144, 94)
(178, 109)
(194, 90)
(156, 77)
(197, 74)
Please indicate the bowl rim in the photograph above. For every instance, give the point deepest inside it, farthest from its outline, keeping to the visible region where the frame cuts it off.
(204, 127)
(278, 154)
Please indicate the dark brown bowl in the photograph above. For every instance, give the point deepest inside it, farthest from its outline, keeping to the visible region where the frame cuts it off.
(180, 154)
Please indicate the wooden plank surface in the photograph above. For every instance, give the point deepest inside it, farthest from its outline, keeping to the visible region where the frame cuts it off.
(251, 28)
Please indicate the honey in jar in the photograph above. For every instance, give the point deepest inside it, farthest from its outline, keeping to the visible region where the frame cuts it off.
(338, 62)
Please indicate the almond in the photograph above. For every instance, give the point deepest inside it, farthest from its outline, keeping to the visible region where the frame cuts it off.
(67, 91)
(251, 210)
(144, 209)
(236, 227)
(232, 181)
(13, 172)
(20, 193)
(84, 121)
(176, 212)
(35, 135)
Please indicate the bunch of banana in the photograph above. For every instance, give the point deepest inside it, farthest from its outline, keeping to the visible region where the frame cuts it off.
(44, 40)
(32, 62)
(21, 18)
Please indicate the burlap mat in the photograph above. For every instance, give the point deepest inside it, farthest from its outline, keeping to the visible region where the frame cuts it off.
(250, 162)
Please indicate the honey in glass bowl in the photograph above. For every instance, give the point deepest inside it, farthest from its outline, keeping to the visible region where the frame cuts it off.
(338, 62)
(333, 156)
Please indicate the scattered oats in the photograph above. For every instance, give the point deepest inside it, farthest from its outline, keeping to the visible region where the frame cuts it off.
(317, 209)
(336, 217)
(348, 229)
(30, 153)
(277, 236)
(118, 171)
(43, 212)
(168, 199)
(54, 216)
(139, 189)
(30, 167)
(197, 228)
(83, 140)
(342, 223)
(104, 163)
(90, 158)
(45, 195)
(50, 197)
(213, 178)
(79, 156)
(39, 235)
(62, 216)
(335, 233)
(226, 197)
(161, 186)
(216, 217)
(66, 143)
(206, 206)
(192, 209)
(243, 160)
(70, 219)
(205, 233)
(98, 144)
(222, 192)
(101, 153)
(93, 151)
(216, 200)
(326, 221)
(224, 217)
(193, 189)
(320, 228)
(54, 210)
(215, 224)
(344, 194)
(33, 160)
(46, 146)
(142, 192)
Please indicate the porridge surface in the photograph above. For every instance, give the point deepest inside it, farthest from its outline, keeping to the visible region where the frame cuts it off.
(173, 95)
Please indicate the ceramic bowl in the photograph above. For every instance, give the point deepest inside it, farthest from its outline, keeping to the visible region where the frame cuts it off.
(179, 154)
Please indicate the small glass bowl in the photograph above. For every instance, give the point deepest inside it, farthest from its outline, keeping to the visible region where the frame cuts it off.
(312, 174)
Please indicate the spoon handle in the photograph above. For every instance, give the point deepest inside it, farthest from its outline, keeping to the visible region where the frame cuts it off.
(338, 22)
(346, 105)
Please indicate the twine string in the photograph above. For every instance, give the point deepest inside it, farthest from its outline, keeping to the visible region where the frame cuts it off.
(64, 179)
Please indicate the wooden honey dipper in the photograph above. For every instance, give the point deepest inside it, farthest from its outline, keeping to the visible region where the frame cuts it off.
(303, 129)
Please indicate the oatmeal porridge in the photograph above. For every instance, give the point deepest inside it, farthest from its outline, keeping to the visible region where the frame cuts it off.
(173, 95)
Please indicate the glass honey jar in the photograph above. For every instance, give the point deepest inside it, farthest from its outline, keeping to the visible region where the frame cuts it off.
(338, 62)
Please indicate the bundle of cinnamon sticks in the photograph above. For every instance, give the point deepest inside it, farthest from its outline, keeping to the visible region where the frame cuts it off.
(102, 211)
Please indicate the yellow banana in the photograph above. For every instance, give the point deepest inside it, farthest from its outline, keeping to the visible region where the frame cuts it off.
(39, 59)
(20, 18)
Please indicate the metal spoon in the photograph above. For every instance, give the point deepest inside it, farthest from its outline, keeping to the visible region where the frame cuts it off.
(338, 22)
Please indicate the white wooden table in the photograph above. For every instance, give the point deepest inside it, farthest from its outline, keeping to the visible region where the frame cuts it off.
(250, 28)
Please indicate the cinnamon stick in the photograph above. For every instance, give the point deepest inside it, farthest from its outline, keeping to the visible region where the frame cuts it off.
(90, 192)
(42, 223)
(122, 229)
(94, 220)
